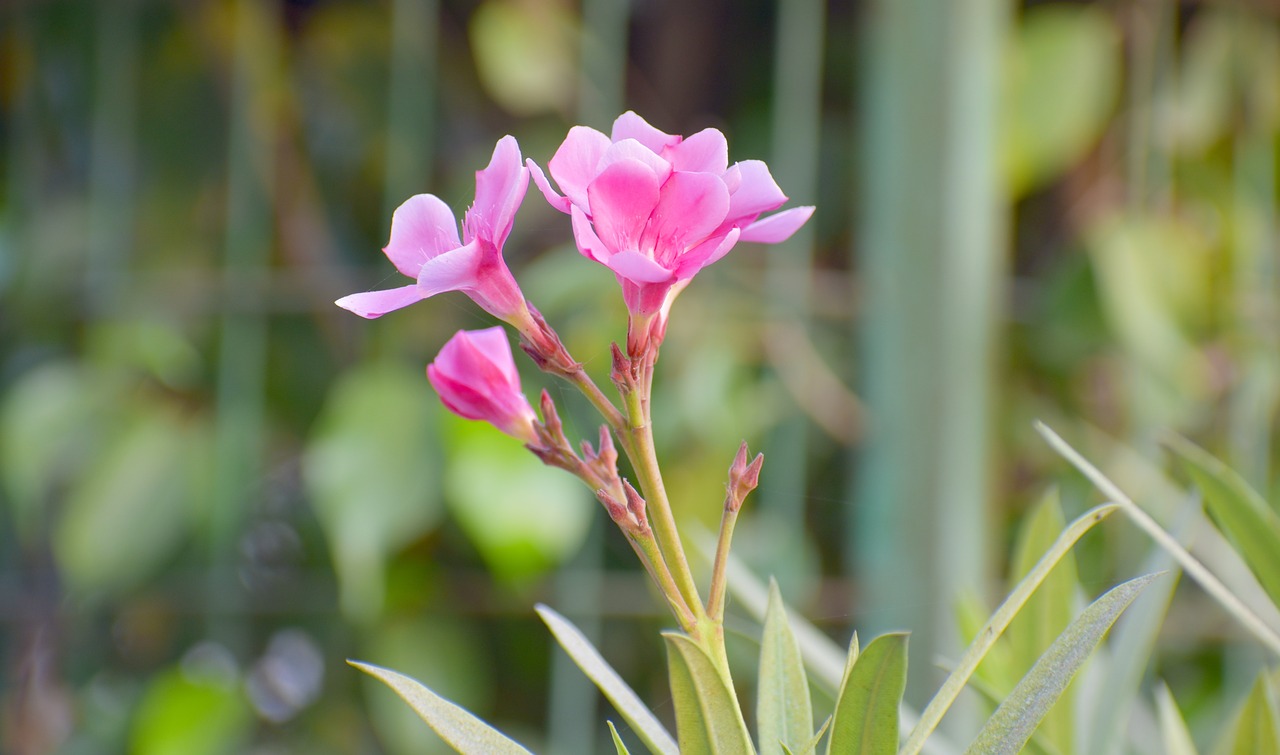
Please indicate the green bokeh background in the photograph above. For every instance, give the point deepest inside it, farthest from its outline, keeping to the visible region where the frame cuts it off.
(215, 485)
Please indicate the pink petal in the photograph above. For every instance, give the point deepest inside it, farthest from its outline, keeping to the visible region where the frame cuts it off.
(373, 304)
(638, 268)
(577, 162)
(421, 228)
(589, 244)
(500, 189)
(622, 197)
(631, 126)
(758, 192)
(706, 253)
(490, 348)
(455, 270)
(553, 198)
(690, 207)
(630, 149)
(704, 152)
(777, 227)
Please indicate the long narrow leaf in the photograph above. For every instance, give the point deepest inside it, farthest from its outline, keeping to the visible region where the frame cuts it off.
(1008, 730)
(1256, 728)
(455, 725)
(998, 622)
(784, 712)
(865, 721)
(1174, 735)
(708, 719)
(624, 699)
(617, 740)
(1229, 600)
(1239, 510)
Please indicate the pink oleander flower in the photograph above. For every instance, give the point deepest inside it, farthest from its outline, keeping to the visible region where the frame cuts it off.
(425, 246)
(656, 208)
(476, 378)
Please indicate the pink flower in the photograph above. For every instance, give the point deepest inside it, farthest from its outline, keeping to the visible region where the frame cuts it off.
(476, 378)
(425, 246)
(656, 208)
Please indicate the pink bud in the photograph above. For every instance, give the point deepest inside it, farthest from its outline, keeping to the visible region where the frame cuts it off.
(743, 477)
(476, 378)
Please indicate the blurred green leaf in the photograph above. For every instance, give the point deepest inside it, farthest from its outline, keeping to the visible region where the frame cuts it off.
(617, 740)
(624, 699)
(525, 54)
(447, 651)
(192, 716)
(708, 719)
(466, 733)
(1256, 727)
(1013, 723)
(1063, 75)
(369, 468)
(1252, 525)
(523, 516)
(45, 434)
(133, 507)
(1048, 612)
(865, 721)
(1174, 735)
(784, 713)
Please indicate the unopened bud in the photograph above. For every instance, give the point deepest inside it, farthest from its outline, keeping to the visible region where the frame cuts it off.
(620, 371)
(608, 455)
(550, 417)
(743, 477)
(617, 510)
(636, 505)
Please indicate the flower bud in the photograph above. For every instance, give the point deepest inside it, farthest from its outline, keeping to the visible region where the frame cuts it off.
(476, 378)
(743, 477)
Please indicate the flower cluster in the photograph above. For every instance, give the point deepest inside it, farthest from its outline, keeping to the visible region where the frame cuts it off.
(655, 209)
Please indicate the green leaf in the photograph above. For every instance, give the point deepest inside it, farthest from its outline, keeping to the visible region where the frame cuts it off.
(370, 470)
(523, 516)
(1256, 728)
(996, 625)
(1252, 525)
(708, 719)
(617, 740)
(1048, 611)
(1062, 75)
(865, 721)
(1008, 730)
(462, 730)
(193, 715)
(784, 713)
(627, 702)
(1174, 735)
(132, 508)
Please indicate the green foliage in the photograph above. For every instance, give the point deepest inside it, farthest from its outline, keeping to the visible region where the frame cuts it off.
(866, 716)
(617, 740)
(1255, 729)
(784, 713)
(463, 731)
(523, 517)
(1062, 75)
(708, 720)
(191, 714)
(1011, 726)
(583, 653)
(1252, 525)
(1174, 735)
(370, 470)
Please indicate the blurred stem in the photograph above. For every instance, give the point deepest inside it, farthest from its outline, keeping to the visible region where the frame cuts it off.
(607, 410)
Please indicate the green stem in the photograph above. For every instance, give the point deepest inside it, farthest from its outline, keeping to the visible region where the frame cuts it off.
(611, 415)
(651, 556)
(715, 601)
(639, 448)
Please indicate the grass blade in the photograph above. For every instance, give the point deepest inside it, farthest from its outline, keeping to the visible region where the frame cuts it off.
(996, 625)
(1008, 730)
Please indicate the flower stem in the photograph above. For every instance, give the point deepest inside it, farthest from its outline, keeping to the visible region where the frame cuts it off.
(607, 410)
(715, 600)
(656, 565)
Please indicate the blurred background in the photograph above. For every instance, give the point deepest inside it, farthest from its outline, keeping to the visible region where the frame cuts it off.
(215, 486)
